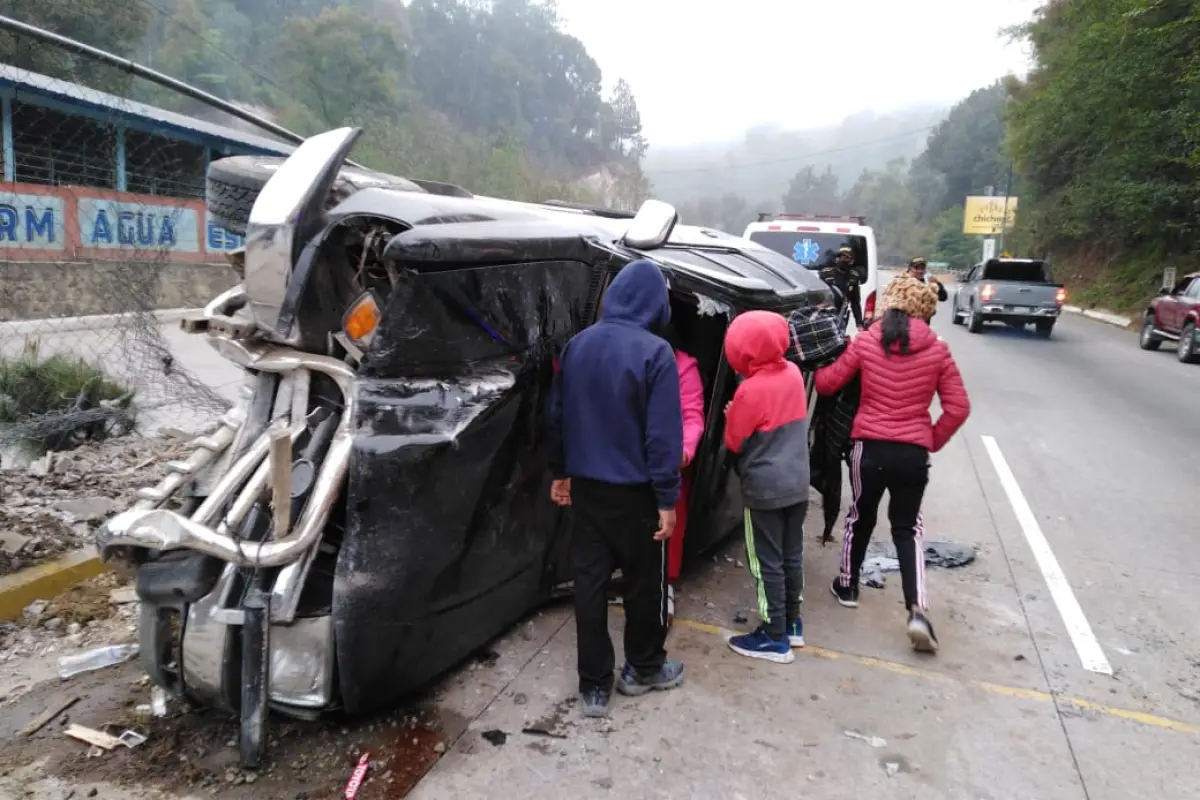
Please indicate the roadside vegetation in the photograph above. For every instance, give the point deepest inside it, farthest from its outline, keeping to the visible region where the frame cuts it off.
(1100, 143)
(489, 95)
(36, 392)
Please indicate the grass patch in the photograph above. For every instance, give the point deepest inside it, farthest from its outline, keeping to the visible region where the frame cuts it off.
(58, 386)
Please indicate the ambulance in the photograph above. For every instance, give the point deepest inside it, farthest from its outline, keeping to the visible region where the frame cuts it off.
(813, 242)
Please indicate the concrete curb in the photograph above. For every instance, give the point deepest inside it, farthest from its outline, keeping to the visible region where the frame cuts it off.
(1103, 316)
(33, 327)
(47, 581)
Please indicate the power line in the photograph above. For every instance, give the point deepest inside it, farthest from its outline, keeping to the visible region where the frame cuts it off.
(200, 35)
(789, 159)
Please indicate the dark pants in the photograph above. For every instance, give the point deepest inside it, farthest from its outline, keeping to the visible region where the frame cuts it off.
(775, 551)
(614, 527)
(902, 470)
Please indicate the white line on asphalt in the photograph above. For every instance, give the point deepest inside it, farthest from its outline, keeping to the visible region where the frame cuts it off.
(1089, 650)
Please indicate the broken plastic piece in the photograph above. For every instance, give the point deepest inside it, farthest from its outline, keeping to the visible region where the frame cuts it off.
(131, 739)
(358, 776)
(158, 701)
(874, 741)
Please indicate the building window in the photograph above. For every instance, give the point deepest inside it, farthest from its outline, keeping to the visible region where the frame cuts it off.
(161, 166)
(55, 149)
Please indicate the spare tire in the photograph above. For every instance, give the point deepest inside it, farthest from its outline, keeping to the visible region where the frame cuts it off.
(233, 184)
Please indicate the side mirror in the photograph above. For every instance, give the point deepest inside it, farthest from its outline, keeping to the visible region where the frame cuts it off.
(652, 226)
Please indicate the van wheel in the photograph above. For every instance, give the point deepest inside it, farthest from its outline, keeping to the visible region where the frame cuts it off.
(1186, 351)
(975, 321)
(956, 316)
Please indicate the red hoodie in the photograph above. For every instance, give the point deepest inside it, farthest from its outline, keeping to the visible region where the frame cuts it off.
(766, 423)
(897, 390)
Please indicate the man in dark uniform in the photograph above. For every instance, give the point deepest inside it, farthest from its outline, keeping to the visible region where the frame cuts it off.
(843, 276)
(916, 268)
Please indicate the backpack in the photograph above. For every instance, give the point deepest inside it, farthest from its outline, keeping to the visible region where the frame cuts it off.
(818, 336)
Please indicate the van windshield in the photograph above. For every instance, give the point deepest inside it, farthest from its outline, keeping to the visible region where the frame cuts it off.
(812, 250)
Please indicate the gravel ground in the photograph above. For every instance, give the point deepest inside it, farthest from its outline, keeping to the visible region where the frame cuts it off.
(53, 505)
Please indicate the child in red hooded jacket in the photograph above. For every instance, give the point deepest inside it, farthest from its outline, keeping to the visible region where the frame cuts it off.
(902, 364)
(766, 425)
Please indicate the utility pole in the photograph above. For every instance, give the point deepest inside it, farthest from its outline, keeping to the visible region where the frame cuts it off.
(1004, 219)
(989, 249)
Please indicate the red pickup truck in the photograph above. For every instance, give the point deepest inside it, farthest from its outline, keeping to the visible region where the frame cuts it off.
(1175, 315)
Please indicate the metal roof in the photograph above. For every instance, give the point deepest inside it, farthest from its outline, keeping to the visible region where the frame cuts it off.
(29, 86)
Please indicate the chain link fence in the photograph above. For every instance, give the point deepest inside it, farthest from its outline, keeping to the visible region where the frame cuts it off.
(104, 240)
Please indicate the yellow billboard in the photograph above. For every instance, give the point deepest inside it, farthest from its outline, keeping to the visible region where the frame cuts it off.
(983, 215)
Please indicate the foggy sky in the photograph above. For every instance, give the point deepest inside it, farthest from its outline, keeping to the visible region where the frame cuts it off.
(705, 70)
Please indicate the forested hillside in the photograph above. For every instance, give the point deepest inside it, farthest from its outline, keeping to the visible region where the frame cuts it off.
(490, 95)
(910, 185)
(1101, 143)
(1106, 132)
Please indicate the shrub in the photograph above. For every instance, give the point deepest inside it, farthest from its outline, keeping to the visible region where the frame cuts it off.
(65, 392)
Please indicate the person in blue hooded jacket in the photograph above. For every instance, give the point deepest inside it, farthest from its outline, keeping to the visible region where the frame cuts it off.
(615, 439)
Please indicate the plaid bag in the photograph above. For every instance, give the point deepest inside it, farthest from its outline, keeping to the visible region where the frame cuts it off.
(818, 336)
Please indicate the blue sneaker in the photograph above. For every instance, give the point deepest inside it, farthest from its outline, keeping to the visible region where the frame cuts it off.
(761, 644)
(795, 632)
(631, 684)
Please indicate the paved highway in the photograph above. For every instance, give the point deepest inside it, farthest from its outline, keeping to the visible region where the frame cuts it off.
(1085, 568)
(1070, 661)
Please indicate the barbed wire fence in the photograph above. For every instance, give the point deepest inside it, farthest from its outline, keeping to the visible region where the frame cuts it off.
(103, 239)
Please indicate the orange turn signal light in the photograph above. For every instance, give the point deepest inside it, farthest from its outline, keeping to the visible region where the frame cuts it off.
(362, 318)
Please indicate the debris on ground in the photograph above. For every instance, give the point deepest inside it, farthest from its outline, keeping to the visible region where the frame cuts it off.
(53, 506)
(359, 775)
(96, 658)
(881, 559)
(47, 716)
(874, 741)
(740, 618)
(495, 737)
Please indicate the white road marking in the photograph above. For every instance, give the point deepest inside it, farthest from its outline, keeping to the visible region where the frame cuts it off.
(1089, 650)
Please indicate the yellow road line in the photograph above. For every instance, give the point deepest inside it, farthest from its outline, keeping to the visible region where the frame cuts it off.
(46, 581)
(895, 668)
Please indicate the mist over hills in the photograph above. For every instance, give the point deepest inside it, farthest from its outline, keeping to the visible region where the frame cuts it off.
(760, 166)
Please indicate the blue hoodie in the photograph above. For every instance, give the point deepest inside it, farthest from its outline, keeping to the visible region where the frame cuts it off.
(614, 412)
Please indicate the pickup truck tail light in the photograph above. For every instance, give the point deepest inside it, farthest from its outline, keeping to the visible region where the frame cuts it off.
(985, 294)
(1060, 296)
(869, 306)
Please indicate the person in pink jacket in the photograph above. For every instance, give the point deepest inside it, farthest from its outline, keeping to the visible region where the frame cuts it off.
(691, 395)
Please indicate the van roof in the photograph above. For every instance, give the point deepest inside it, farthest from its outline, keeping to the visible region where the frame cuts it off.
(711, 257)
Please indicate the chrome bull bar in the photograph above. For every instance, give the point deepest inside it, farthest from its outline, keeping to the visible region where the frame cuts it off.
(151, 527)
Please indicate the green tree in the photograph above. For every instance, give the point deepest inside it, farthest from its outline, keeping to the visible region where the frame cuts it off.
(343, 64)
(626, 126)
(884, 199)
(1104, 131)
(813, 192)
(966, 151)
(114, 25)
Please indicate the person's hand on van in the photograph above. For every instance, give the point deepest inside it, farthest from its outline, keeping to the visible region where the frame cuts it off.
(666, 524)
(560, 491)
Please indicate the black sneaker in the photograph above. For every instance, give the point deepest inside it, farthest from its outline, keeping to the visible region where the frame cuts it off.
(594, 702)
(668, 676)
(920, 633)
(846, 596)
